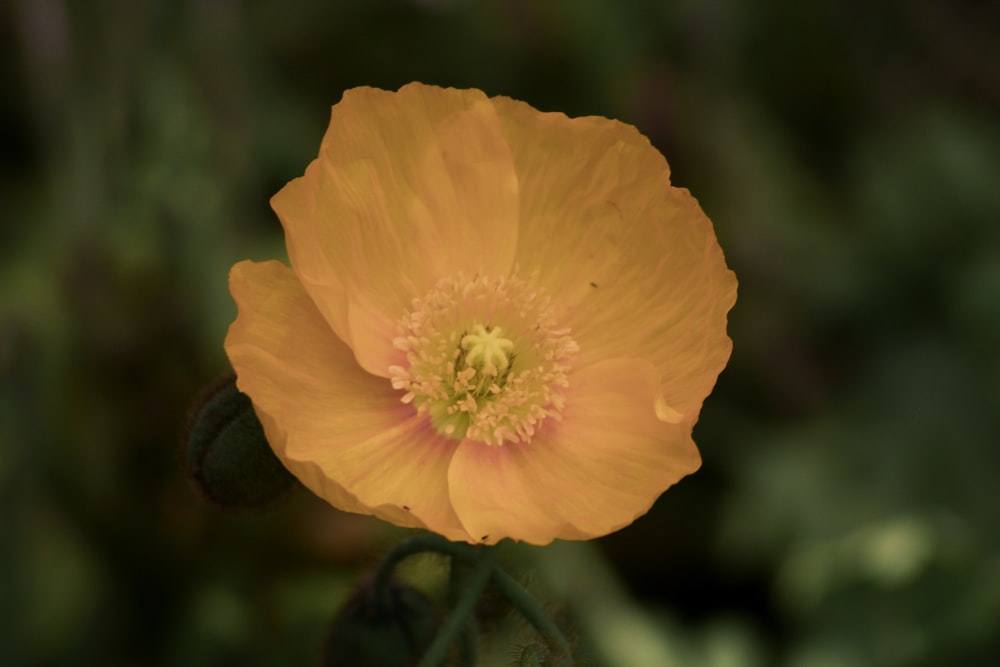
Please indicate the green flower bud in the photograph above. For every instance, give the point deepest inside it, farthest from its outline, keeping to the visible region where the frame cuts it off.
(228, 454)
(533, 655)
(391, 628)
(540, 655)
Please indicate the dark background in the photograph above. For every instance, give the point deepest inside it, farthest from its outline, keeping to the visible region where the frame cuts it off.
(848, 153)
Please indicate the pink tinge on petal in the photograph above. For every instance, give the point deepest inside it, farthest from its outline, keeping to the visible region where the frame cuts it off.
(591, 473)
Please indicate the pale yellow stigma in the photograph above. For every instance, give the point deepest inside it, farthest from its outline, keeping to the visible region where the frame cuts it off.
(486, 351)
(474, 378)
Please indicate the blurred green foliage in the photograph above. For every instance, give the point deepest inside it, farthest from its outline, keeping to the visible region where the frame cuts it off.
(848, 154)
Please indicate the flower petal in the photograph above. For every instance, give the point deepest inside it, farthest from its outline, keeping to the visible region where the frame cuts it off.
(399, 473)
(637, 269)
(593, 472)
(341, 431)
(410, 187)
(296, 207)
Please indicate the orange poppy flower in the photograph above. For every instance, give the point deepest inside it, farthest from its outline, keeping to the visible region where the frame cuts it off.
(497, 322)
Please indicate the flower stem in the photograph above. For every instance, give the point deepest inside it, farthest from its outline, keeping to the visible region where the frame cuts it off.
(483, 562)
(461, 614)
(469, 641)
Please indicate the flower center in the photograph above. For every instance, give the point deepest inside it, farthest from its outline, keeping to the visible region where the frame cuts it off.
(486, 351)
(486, 360)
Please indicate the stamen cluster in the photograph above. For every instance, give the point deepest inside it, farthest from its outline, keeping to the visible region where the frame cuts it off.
(486, 359)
